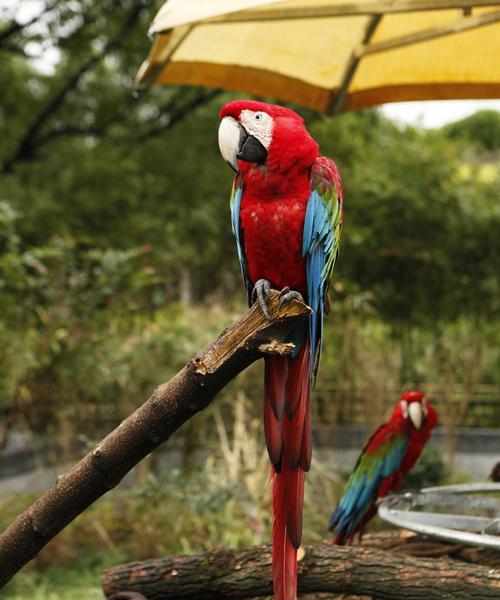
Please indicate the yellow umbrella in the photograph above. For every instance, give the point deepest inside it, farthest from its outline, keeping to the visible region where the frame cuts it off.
(329, 55)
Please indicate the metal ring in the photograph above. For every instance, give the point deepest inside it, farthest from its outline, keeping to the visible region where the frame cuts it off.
(396, 509)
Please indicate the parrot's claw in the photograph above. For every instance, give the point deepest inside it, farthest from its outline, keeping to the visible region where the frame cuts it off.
(260, 292)
(287, 295)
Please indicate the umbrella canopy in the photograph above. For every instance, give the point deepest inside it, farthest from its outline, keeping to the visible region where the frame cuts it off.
(329, 55)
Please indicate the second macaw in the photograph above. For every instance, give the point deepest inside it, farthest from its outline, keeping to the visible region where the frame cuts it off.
(286, 209)
(388, 455)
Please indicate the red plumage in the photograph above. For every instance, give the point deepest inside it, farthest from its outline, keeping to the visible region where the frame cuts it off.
(288, 440)
(274, 204)
(271, 224)
(386, 458)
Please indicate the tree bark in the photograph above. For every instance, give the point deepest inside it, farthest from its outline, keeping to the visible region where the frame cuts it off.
(170, 405)
(231, 574)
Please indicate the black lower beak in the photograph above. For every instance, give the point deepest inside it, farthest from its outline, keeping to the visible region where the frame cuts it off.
(250, 149)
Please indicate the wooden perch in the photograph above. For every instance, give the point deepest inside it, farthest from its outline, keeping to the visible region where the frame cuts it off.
(170, 405)
(231, 574)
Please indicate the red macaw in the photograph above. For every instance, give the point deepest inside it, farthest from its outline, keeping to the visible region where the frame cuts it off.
(389, 454)
(286, 209)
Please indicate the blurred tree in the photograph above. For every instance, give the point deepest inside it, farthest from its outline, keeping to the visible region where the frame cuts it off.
(113, 206)
(482, 129)
(419, 239)
(78, 60)
(83, 157)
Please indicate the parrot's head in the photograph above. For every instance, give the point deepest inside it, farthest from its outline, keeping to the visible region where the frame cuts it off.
(415, 408)
(256, 134)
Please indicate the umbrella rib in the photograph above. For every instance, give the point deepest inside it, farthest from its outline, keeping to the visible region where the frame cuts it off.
(458, 26)
(365, 49)
(150, 71)
(345, 10)
(352, 65)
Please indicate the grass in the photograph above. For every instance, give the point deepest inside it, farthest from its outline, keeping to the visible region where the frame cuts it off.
(78, 581)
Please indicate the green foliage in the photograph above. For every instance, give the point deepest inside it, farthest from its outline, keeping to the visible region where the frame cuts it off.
(95, 250)
(417, 239)
(481, 129)
(83, 160)
(78, 581)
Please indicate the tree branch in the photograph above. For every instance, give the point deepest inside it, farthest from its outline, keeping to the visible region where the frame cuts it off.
(202, 98)
(232, 574)
(170, 405)
(29, 141)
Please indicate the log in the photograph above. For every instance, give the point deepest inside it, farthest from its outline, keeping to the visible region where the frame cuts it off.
(170, 405)
(237, 574)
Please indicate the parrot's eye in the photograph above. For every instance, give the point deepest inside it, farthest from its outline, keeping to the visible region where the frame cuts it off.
(258, 116)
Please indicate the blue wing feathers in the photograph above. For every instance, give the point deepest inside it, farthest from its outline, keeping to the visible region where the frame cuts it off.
(363, 485)
(235, 214)
(320, 246)
(236, 196)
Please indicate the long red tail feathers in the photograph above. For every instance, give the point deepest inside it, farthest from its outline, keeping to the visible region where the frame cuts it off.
(275, 374)
(306, 448)
(274, 434)
(284, 552)
(287, 425)
(297, 376)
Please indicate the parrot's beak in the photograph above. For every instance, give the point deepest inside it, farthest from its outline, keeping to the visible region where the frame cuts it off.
(416, 414)
(236, 144)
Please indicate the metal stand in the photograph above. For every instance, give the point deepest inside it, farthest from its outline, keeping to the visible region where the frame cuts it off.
(482, 528)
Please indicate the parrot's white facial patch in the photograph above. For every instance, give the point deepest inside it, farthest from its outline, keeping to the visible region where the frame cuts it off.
(259, 124)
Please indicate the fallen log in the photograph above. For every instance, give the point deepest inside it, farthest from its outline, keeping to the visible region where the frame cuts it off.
(357, 570)
(170, 405)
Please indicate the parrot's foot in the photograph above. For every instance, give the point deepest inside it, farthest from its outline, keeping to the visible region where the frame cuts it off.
(287, 295)
(260, 292)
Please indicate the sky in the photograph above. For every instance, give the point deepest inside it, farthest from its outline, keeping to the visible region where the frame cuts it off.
(435, 113)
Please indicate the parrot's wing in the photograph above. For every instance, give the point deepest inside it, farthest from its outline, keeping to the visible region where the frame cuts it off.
(321, 242)
(372, 477)
(235, 202)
